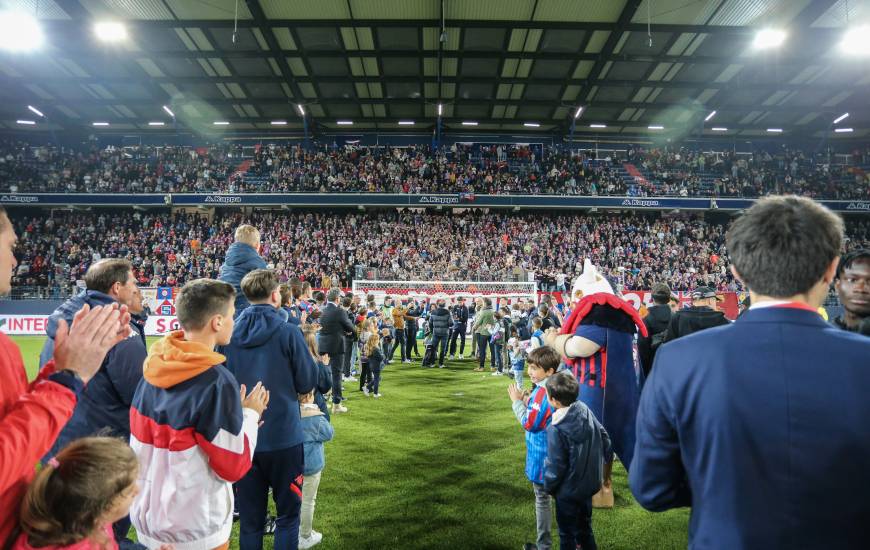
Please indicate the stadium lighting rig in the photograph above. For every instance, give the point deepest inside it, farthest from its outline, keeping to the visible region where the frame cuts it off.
(406, 123)
(531, 125)
(656, 127)
(598, 125)
(300, 109)
(26, 122)
(719, 129)
(711, 115)
(35, 111)
(578, 112)
(856, 41)
(766, 39)
(440, 109)
(841, 118)
(843, 130)
(168, 111)
(19, 32)
(110, 31)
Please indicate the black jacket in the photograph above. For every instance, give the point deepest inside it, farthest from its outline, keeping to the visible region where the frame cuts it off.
(460, 315)
(335, 326)
(692, 319)
(577, 448)
(439, 321)
(657, 319)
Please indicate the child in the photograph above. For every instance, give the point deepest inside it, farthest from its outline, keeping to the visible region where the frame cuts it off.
(324, 373)
(317, 430)
(265, 347)
(534, 413)
(517, 359)
(376, 361)
(367, 328)
(577, 449)
(497, 339)
(73, 501)
(193, 435)
(537, 339)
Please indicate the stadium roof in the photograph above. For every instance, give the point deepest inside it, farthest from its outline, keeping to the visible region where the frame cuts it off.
(501, 63)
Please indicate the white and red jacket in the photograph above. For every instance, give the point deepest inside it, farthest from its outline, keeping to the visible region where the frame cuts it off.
(193, 440)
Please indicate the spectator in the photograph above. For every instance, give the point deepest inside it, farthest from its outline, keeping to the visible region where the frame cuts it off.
(317, 431)
(459, 313)
(439, 326)
(853, 290)
(266, 349)
(657, 320)
(725, 409)
(32, 415)
(484, 319)
(335, 327)
(193, 434)
(703, 314)
(243, 256)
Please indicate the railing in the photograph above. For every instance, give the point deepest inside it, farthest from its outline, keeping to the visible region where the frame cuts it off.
(40, 293)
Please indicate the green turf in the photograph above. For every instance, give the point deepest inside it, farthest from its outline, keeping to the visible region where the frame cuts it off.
(437, 463)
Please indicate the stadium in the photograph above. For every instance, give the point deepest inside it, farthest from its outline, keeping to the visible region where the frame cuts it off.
(441, 274)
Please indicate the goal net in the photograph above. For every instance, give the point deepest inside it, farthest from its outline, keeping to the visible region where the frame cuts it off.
(432, 290)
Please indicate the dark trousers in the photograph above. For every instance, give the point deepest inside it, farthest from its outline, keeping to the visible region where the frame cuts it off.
(439, 344)
(575, 524)
(458, 332)
(335, 363)
(348, 354)
(365, 375)
(375, 384)
(497, 355)
(482, 344)
(401, 344)
(411, 338)
(120, 529)
(282, 471)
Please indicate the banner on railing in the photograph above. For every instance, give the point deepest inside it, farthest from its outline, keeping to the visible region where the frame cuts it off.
(34, 325)
(450, 200)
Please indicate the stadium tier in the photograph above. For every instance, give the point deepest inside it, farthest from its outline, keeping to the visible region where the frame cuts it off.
(458, 169)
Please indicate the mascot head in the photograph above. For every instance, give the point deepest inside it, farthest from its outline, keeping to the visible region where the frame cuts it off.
(590, 282)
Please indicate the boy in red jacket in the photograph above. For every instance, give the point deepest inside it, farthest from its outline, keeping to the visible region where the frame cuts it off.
(32, 415)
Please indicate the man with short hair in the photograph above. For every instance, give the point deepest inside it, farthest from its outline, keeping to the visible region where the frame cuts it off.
(703, 314)
(657, 320)
(439, 325)
(335, 327)
(853, 289)
(266, 349)
(243, 256)
(760, 425)
(33, 414)
(460, 315)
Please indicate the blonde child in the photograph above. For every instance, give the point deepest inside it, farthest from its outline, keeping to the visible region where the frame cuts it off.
(376, 362)
(324, 374)
(367, 327)
(73, 501)
(317, 430)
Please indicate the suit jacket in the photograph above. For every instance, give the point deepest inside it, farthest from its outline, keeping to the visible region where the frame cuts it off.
(761, 427)
(334, 328)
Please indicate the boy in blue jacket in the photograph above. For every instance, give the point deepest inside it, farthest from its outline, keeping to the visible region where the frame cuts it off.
(534, 413)
(265, 347)
(577, 449)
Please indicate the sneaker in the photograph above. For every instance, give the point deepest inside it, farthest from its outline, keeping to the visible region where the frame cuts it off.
(270, 526)
(440, 366)
(377, 395)
(496, 373)
(478, 369)
(406, 361)
(365, 391)
(338, 408)
(311, 540)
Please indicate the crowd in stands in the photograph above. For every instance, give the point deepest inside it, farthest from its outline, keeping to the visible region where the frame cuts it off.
(458, 168)
(332, 248)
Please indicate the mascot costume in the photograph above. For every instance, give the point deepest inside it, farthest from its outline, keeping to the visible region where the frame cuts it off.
(597, 342)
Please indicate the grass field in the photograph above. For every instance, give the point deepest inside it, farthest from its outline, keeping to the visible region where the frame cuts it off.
(437, 463)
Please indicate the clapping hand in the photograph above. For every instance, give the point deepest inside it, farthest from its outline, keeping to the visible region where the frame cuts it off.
(257, 400)
(515, 393)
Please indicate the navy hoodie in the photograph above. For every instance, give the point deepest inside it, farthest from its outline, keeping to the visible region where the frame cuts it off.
(240, 260)
(105, 401)
(266, 348)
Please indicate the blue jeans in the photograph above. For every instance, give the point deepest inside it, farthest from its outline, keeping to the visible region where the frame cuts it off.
(439, 344)
(282, 471)
(375, 384)
(496, 352)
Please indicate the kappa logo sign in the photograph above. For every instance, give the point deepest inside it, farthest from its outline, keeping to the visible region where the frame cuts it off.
(637, 202)
(19, 198)
(223, 199)
(439, 200)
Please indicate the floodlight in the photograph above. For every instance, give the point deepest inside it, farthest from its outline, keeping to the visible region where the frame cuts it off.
(768, 38)
(719, 129)
(301, 110)
(656, 127)
(856, 41)
(406, 123)
(531, 124)
(775, 130)
(279, 123)
(168, 111)
(469, 123)
(711, 115)
(110, 31)
(19, 32)
(100, 123)
(26, 122)
(578, 112)
(598, 125)
(840, 118)
(344, 122)
(221, 123)
(156, 123)
(843, 130)
(440, 109)
(35, 110)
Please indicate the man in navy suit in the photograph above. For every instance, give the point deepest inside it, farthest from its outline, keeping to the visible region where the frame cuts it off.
(761, 425)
